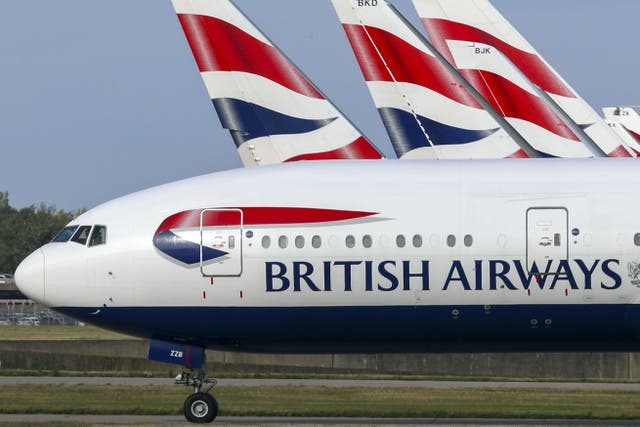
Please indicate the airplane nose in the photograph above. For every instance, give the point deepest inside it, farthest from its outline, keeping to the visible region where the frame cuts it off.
(29, 276)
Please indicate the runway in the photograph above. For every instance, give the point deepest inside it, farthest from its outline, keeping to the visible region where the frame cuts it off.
(242, 382)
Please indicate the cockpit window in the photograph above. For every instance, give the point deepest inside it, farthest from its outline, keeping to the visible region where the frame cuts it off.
(65, 234)
(82, 235)
(98, 236)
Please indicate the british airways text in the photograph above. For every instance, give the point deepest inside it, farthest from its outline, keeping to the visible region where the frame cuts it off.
(387, 276)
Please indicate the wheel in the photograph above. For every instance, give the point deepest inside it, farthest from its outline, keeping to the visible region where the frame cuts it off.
(200, 408)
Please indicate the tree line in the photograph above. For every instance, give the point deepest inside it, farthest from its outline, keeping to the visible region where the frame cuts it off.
(24, 230)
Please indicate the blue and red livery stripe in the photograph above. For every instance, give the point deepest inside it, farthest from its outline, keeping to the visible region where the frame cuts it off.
(256, 215)
(407, 63)
(220, 46)
(406, 135)
(187, 252)
(635, 135)
(510, 100)
(530, 64)
(252, 121)
(183, 250)
(359, 149)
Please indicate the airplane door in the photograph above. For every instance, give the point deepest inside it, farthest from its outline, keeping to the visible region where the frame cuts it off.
(221, 242)
(547, 236)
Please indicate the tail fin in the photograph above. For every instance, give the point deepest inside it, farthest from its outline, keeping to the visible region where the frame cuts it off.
(625, 121)
(455, 23)
(273, 112)
(426, 112)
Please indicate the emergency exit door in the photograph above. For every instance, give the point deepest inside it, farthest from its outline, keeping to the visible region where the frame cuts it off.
(221, 242)
(547, 237)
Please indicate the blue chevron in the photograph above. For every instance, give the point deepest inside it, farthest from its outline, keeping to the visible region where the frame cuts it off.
(247, 121)
(406, 135)
(183, 250)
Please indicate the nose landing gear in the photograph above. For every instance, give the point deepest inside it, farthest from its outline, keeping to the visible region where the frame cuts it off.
(200, 407)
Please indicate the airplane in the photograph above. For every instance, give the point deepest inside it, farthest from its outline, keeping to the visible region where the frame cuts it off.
(356, 255)
(625, 121)
(500, 62)
(272, 110)
(427, 111)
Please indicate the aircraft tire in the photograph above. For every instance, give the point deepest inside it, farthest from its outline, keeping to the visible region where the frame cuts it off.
(200, 408)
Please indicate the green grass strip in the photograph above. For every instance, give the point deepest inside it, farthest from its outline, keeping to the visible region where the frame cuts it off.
(56, 332)
(328, 401)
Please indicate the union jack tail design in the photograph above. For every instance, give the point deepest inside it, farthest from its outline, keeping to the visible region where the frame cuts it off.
(273, 112)
(625, 121)
(509, 72)
(425, 110)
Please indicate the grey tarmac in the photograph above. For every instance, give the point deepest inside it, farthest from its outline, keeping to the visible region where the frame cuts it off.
(155, 420)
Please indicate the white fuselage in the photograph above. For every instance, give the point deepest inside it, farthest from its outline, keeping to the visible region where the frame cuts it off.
(373, 255)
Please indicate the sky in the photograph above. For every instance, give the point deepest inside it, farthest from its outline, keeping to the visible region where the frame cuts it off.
(101, 98)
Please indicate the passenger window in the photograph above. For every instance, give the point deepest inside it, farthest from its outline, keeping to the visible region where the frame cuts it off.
(299, 242)
(451, 240)
(350, 241)
(283, 242)
(401, 241)
(65, 234)
(417, 241)
(316, 242)
(468, 240)
(98, 236)
(266, 242)
(636, 239)
(82, 235)
(367, 241)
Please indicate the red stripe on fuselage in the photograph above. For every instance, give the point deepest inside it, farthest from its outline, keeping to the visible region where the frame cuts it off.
(531, 65)
(361, 148)
(220, 46)
(407, 63)
(258, 216)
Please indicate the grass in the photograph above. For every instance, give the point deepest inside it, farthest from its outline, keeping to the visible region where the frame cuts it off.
(54, 332)
(327, 401)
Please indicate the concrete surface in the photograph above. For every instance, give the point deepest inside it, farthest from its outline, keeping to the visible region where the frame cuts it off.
(253, 421)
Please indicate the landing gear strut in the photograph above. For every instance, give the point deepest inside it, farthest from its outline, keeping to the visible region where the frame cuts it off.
(200, 407)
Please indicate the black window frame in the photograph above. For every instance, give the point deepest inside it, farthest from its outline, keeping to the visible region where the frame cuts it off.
(57, 238)
(93, 231)
(78, 232)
